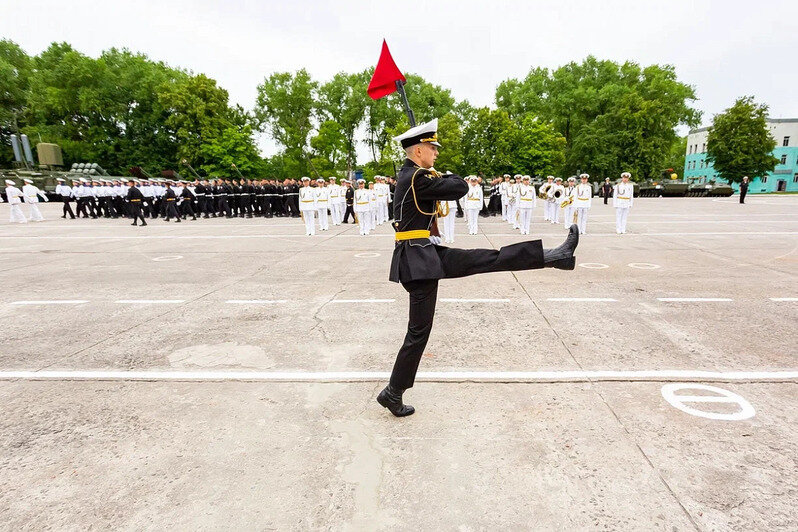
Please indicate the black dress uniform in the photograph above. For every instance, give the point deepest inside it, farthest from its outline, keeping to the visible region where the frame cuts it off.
(135, 198)
(349, 195)
(169, 201)
(418, 264)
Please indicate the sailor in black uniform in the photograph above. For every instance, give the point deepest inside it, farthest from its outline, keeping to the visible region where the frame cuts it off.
(169, 200)
(419, 260)
(135, 199)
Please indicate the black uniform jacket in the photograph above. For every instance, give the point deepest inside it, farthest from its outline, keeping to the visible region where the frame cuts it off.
(418, 258)
(133, 193)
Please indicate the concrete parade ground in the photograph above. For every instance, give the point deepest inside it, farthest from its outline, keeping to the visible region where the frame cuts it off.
(222, 374)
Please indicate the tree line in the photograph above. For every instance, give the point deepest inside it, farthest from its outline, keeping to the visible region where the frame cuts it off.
(123, 109)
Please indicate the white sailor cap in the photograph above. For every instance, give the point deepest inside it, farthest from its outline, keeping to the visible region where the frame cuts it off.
(472, 178)
(557, 179)
(60, 179)
(28, 181)
(506, 175)
(361, 181)
(320, 180)
(572, 178)
(9, 182)
(83, 180)
(584, 176)
(426, 133)
(516, 176)
(549, 177)
(626, 174)
(331, 179)
(305, 178)
(525, 178)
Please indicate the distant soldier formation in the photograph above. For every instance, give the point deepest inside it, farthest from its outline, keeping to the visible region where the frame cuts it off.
(320, 202)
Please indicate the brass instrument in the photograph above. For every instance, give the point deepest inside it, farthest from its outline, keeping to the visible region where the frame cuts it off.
(557, 194)
(567, 202)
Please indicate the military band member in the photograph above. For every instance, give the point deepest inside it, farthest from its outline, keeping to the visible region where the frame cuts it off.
(527, 201)
(334, 193)
(307, 206)
(65, 192)
(622, 200)
(554, 197)
(582, 200)
(14, 199)
(419, 260)
(568, 199)
(362, 207)
(512, 195)
(31, 194)
(473, 204)
(322, 204)
(448, 211)
(504, 188)
(372, 206)
(606, 189)
(544, 193)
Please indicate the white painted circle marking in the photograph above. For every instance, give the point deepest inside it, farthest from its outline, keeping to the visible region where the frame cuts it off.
(167, 258)
(593, 265)
(725, 396)
(644, 265)
(367, 255)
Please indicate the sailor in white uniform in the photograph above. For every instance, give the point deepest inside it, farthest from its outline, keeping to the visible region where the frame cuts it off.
(14, 199)
(583, 199)
(554, 196)
(527, 201)
(65, 191)
(450, 208)
(362, 206)
(322, 203)
(307, 206)
(31, 194)
(622, 199)
(568, 199)
(473, 204)
(504, 188)
(544, 191)
(334, 192)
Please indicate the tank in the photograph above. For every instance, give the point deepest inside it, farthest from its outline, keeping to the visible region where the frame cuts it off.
(722, 190)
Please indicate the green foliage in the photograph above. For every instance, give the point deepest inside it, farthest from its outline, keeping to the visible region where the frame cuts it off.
(676, 156)
(613, 117)
(15, 69)
(739, 143)
(343, 100)
(285, 106)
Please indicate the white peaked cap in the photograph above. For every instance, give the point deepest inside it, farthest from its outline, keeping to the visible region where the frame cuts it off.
(9, 182)
(424, 133)
(626, 174)
(29, 181)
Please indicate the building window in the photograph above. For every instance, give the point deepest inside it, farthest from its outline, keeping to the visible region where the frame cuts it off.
(784, 159)
(704, 148)
(786, 141)
(764, 179)
(690, 147)
(795, 178)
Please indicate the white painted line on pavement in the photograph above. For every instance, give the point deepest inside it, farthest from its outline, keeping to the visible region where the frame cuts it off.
(150, 301)
(256, 301)
(52, 302)
(784, 299)
(584, 299)
(594, 265)
(476, 300)
(426, 376)
(362, 301)
(644, 265)
(693, 299)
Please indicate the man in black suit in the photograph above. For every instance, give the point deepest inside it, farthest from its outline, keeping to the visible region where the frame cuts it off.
(606, 190)
(743, 189)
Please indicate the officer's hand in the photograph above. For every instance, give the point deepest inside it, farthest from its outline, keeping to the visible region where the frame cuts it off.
(436, 240)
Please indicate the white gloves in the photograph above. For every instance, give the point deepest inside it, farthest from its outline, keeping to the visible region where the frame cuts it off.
(436, 240)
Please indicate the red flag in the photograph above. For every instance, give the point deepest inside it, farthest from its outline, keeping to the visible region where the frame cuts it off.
(383, 82)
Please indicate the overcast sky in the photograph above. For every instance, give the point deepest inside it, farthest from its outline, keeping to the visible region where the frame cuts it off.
(725, 49)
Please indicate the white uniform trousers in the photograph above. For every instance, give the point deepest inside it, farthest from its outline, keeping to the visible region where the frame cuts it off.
(334, 213)
(581, 219)
(382, 213)
(504, 210)
(364, 221)
(310, 222)
(324, 222)
(554, 212)
(448, 227)
(525, 218)
(546, 211)
(473, 220)
(35, 213)
(568, 213)
(516, 216)
(16, 214)
(621, 214)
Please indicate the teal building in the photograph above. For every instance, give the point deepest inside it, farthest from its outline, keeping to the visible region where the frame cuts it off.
(783, 178)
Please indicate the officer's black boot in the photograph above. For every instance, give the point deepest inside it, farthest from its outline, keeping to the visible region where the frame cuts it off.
(562, 257)
(391, 398)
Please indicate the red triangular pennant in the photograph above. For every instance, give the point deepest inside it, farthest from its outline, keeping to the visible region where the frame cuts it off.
(383, 82)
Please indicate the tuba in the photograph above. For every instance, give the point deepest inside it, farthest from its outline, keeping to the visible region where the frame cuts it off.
(557, 194)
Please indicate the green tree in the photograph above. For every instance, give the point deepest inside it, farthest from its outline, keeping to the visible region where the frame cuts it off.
(676, 156)
(450, 134)
(330, 148)
(739, 143)
(285, 106)
(613, 117)
(539, 149)
(15, 70)
(343, 100)
(489, 143)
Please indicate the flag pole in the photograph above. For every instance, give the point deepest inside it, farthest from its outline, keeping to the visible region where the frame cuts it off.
(400, 87)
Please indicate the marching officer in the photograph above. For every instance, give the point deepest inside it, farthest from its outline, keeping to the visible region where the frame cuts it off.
(135, 199)
(349, 196)
(31, 193)
(65, 191)
(169, 199)
(14, 199)
(419, 260)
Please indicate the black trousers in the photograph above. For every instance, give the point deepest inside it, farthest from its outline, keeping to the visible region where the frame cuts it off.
(424, 295)
(742, 195)
(349, 210)
(171, 210)
(224, 207)
(135, 212)
(68, 209)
